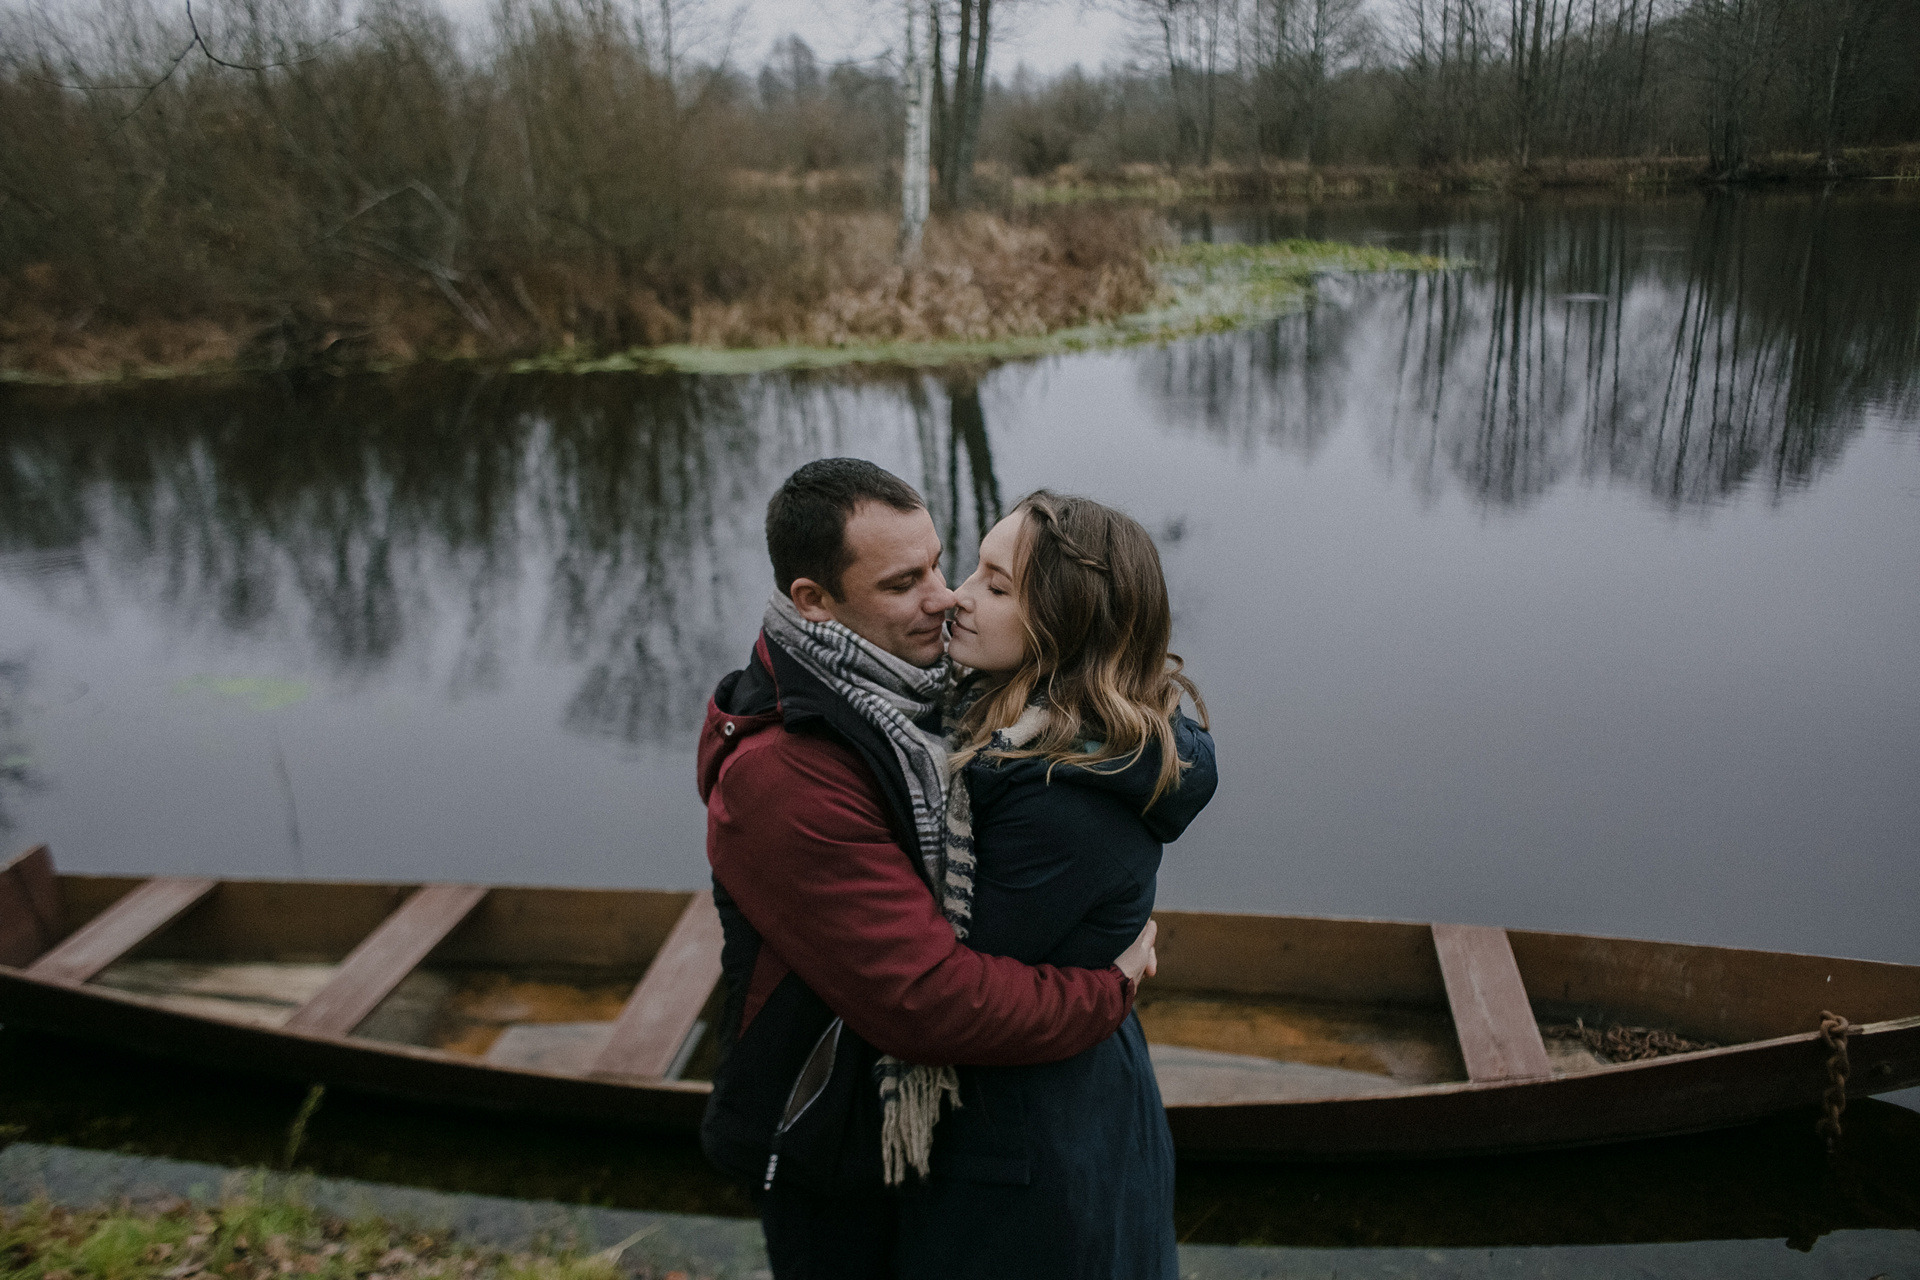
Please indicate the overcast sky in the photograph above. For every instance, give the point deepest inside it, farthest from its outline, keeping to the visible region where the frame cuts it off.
(1048, 35)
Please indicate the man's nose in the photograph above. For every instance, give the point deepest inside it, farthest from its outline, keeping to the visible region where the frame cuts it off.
(940, 599)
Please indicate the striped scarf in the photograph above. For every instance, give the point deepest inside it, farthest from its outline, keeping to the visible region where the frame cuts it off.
(891, 694)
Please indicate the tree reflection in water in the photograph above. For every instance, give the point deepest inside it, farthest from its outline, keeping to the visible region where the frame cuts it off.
(1687, 349)
(367, 522)
(1284, 383)
(17, 773)
(968, 450)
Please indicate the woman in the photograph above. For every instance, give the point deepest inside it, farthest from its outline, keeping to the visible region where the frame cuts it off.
(1072, 764)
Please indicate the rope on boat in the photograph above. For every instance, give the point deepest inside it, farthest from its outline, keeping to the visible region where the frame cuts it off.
(1633, 1044)
(1833, 1030)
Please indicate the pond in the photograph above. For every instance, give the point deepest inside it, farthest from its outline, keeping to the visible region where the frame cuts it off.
(1571, 589)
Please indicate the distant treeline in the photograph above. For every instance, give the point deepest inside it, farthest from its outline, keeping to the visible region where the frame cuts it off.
(1403, 83)
(283, 180)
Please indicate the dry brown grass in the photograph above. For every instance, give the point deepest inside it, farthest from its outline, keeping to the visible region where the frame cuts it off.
(806, 278)
(1280, 180)
(979, 277)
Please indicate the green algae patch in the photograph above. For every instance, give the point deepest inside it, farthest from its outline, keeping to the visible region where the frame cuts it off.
(740, 360)
(1208, 288)
(258, 693)
(1203, 288)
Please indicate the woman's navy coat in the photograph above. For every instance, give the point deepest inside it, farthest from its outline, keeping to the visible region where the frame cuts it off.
(1063, 1170)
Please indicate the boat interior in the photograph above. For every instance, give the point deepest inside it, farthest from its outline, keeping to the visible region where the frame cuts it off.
(623, 984)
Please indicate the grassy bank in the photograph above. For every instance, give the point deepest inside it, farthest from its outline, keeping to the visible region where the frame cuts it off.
(808, 278)
(1192, 289)
(1230, 183)
(256, 1238)
(986, 287)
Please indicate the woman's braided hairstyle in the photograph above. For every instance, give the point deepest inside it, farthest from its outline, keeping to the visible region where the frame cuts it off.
(1093, 600)
(1044, 512)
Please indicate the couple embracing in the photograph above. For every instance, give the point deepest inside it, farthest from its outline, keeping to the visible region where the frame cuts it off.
(934, 849)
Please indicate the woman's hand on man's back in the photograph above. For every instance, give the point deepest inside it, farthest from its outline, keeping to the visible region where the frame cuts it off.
(1139, 960)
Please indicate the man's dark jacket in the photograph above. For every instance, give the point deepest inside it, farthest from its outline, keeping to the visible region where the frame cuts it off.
(826, 912)
(1070, 1163)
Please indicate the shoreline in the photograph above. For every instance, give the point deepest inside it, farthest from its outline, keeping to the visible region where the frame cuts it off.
(389, 336)
(1200, 288)
(1655, 175)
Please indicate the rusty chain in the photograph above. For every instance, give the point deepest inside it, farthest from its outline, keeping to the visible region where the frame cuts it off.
(1833, 1030)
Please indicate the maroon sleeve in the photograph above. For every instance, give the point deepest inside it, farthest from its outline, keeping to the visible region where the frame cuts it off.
(796, 836)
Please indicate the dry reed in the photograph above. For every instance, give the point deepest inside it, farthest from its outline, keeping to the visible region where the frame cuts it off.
(979, 277)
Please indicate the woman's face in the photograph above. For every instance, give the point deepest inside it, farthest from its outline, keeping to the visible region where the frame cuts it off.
(987, 632)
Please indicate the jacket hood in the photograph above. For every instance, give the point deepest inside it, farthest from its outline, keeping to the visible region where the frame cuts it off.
(745, 703)
(773, 691)
(1172, 812)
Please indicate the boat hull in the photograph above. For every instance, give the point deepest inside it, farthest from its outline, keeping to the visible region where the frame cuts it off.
(120, 1022)
(1712, 1089)
(1692, 1092)
(1382, 1091)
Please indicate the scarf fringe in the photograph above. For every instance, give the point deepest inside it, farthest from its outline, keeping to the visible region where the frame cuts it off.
(910, 1099)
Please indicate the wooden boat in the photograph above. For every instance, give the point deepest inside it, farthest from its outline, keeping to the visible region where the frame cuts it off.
(1273, 1036)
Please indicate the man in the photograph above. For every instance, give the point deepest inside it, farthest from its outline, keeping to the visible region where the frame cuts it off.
(823, 771)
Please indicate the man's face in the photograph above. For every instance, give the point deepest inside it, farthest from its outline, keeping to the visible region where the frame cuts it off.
(893, 593)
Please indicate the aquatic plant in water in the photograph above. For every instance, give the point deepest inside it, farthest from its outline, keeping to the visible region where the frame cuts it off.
(258, 693)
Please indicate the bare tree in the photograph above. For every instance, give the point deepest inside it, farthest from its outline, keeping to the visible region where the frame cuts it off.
(1733, 48)
(1446, 56)
(1842, 36)
(914, 178)
(1194, 40)
(957, 110)
(1289, 53)
(1335, 33)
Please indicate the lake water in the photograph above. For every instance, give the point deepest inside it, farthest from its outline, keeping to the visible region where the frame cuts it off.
(1575, 589)
(1572, 589)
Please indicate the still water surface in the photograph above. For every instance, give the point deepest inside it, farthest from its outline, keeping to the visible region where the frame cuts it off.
(1573, 589)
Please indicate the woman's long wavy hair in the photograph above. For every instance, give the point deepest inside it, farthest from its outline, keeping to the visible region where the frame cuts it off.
(1093, 600)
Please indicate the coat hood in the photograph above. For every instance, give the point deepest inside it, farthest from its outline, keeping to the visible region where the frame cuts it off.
(773, 691)
(745, 703)
(1133, 784)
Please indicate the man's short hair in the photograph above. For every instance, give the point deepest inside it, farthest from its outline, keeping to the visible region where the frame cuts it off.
(807, 519)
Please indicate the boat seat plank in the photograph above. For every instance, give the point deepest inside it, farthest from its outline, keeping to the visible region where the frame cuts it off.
(661, 1013)
(29, 908)
(1498, 1036)
(564, 1048)
(385, 957)
(137, 916)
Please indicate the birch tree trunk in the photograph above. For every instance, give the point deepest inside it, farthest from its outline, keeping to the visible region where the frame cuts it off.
(915, 191)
